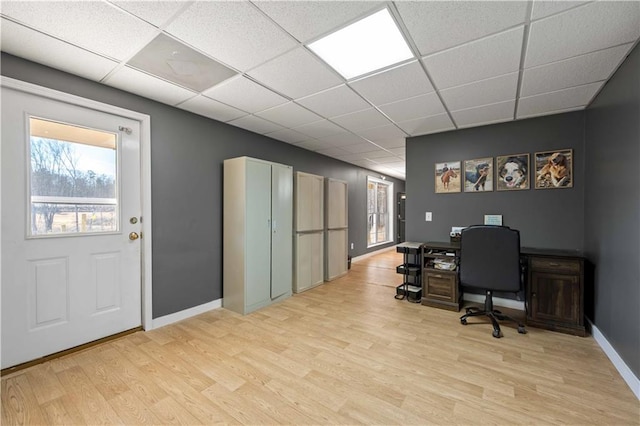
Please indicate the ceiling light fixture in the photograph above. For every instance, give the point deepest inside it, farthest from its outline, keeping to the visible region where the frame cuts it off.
(367, 45)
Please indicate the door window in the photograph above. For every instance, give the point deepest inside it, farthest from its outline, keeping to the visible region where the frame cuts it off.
(73, 179)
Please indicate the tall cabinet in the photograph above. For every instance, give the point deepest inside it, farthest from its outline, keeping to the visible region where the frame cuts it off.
(309, 231)
(257, 233)
(336, 238)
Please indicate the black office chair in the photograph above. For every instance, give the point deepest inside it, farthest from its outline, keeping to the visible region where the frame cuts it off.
(490, 260)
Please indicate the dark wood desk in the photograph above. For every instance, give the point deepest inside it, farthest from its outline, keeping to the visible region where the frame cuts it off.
(554, 285)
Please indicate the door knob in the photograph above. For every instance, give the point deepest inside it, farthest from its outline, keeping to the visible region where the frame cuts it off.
(133, 236)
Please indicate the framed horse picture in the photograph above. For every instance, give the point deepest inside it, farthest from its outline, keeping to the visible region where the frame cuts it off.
(447, 177)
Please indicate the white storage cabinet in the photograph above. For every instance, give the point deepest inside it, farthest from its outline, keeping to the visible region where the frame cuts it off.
(257, 233)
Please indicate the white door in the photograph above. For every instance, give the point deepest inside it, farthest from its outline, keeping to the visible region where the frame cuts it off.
(70, 218)
(281, 230)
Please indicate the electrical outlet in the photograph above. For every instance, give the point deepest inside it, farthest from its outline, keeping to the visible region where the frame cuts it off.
(428, 217)
(351, 246)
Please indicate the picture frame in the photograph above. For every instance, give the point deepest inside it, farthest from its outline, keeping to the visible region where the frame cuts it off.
(554, 169)
(447, 177)
(478, 175)
(512, 172)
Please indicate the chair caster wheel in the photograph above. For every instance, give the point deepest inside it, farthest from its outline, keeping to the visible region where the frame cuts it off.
(521, 329)
(469, 310)
(463, 321)
(496, 334)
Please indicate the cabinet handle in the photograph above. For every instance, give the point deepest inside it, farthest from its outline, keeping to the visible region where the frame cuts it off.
(553, 264)
(533, 295)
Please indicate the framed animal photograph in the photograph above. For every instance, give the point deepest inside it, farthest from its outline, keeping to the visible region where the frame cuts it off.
(512, 172)
(554, 169)
(478, 175)
(448, 177)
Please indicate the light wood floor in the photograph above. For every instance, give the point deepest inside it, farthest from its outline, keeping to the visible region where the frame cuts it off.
(346, 352)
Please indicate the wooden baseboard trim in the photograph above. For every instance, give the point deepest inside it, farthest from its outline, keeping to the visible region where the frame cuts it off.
(79, 348)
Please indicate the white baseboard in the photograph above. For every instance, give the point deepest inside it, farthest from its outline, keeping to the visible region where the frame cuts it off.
(187, 313)
(373, 253)
(497, 301)
(632, 381)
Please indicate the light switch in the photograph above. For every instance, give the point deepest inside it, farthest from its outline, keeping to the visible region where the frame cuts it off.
(428, 217)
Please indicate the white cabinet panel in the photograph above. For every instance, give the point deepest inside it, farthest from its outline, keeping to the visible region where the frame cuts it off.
(309, 261)
(337, 204)
(336, 253)
(309, 202)
(281, 230)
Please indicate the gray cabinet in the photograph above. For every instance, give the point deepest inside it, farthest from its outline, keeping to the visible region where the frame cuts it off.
(257, 233)
(309, 231)
(336, 238)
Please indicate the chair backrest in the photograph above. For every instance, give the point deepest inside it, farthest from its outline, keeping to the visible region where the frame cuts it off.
(490, 258)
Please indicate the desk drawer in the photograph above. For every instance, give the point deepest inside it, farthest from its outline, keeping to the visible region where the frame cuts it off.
(555, 265)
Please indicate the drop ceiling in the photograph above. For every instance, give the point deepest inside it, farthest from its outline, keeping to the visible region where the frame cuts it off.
(247, 63)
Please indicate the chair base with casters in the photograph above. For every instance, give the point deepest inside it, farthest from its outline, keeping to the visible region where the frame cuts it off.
(493, 314)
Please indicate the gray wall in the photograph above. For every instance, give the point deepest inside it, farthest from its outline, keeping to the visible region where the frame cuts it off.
(612, 209)
(549, 218)
(187, 152)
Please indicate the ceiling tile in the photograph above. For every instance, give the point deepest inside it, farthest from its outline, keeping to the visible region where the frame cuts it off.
(562, 99)
(288, 135)
(490, 91)
(148, 86)
(398, 83)
(289, 115)
(420, 106)
(333, 102)
(438, 25)
(378, 153)
(233, 32)
(342, 139)
(296, 74)
(320, 129)
(210, 108)
(392, 143)
(502, 111)
(171, 60)
(332, 152)
(426, 125)
(157, 15)
(255, 124)
(400, 152)
(244, 94)
(306, 20)
(383, 132)
(576, 71)
(572, 33)
(35, 46)
(489, 57)
(361, 120)
(314, 144)
(544, 8)
(363, 163)
(361, 147)
(95, 26)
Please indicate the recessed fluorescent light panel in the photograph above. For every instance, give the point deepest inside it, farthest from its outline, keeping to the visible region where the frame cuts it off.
(367, 45)
(169, 59)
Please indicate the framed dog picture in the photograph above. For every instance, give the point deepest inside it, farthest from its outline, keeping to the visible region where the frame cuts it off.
(478, 175)
(447, 177)
(554, 169)
(512, 172)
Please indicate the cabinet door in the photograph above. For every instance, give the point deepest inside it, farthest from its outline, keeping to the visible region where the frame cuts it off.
(309, 202)
(258, 233)
(337, 204)
(555, 298)
(309, 261)
(282, 230)
(336, 253)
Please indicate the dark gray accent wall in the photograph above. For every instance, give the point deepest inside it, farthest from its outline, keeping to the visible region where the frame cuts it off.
(612, 209)
(548, 218)
(187, 153)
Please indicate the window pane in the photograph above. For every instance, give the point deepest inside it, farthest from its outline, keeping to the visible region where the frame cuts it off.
(73, 179)
(378, 211)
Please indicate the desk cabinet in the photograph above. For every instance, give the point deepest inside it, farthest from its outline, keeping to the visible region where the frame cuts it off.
(556, 294)
(441, 290)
